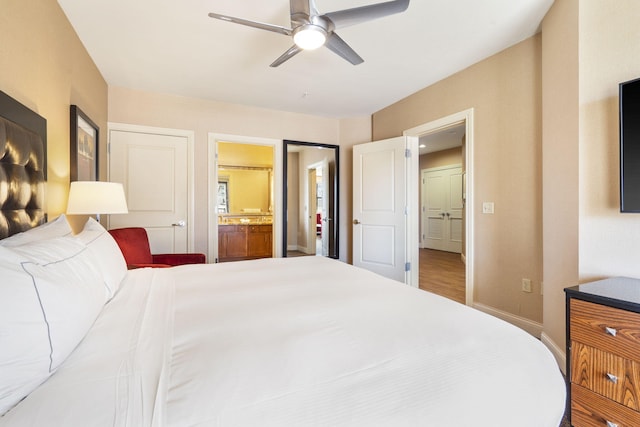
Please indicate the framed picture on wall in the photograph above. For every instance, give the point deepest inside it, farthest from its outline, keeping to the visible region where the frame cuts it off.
(84, 146)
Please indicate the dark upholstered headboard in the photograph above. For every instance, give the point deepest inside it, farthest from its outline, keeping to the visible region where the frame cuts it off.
(23, 167)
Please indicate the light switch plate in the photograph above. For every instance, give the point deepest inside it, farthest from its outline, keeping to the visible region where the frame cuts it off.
(487, 207)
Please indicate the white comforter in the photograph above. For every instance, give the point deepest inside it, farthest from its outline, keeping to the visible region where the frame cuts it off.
(294, 342)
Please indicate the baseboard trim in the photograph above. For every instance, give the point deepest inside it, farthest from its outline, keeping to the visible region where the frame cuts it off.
(558, 353)
(292, 247)
(534, 328)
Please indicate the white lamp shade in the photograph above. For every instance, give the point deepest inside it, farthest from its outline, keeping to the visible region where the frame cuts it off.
(96, 197)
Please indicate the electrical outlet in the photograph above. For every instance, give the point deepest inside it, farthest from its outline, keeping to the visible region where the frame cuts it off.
(526, 285)
(487, 207)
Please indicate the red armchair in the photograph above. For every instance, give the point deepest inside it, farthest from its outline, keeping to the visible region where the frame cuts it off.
(134, 244)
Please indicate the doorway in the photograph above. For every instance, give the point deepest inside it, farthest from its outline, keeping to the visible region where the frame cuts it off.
(259, 214)
(310, 199)
(443, 267)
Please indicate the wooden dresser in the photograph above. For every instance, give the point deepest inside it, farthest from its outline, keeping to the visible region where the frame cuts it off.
(603, 353)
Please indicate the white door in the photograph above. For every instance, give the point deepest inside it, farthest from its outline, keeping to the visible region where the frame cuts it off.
(154, 166)
(442, 207)
(379, 204)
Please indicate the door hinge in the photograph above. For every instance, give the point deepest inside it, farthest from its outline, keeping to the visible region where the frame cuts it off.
(407, 266)
(109, 148)
(407, 153)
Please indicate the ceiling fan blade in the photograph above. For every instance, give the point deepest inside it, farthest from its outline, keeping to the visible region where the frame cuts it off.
(357, 15)
(254, 24)
(341, 48)
(293, 51)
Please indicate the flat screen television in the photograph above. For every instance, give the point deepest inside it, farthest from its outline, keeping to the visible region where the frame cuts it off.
(630, 146)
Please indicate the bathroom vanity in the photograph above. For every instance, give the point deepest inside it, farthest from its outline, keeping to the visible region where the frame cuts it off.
(245, 238)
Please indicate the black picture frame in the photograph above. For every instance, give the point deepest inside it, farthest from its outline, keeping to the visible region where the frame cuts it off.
(85, 138)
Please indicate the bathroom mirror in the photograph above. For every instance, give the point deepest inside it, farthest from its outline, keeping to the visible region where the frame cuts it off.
(310, 199)
(245, 182)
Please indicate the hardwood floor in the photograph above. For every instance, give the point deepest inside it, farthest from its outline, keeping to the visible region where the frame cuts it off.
(442, 273)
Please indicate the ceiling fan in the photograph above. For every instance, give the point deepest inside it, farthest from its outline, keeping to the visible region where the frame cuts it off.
(310, 30)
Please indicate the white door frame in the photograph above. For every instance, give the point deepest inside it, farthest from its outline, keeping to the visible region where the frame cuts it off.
(311, 227)
(212, 179)
(414, 135)
(190, 137)
(312, 198)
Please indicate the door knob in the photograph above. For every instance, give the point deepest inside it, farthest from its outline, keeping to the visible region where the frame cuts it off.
(180, 223)
(356, 222)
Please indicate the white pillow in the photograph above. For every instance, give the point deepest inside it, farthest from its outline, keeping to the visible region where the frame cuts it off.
(106, 255)
(50, 295)
(57, 228)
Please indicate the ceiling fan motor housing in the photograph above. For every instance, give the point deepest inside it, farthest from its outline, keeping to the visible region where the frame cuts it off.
(311, 35)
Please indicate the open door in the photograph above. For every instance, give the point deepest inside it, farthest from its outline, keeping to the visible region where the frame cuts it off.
(380, 222)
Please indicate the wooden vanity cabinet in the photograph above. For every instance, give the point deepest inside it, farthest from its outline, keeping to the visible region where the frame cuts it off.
(238, 242)
(603, 353)
(232, 242)
(259, 244)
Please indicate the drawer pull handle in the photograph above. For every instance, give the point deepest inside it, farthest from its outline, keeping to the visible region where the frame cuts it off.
(612, 378)
(610, 331)
(610, 424)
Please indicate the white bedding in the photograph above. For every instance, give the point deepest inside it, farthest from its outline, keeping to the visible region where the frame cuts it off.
(294, 342)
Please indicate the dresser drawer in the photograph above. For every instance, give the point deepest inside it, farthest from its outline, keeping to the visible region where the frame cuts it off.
(589, 409)
(606, 374)
(610, 329)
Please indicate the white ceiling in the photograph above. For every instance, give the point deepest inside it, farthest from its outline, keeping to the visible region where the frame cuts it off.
(172, 46)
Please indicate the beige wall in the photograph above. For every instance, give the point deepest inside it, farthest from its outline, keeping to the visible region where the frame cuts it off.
(452, 156)
(589, 48)
(505, 92)
(202, 116)
(609, 54)
(45, 67)
(560, 162)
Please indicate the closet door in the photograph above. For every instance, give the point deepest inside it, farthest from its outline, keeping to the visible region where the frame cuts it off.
(154, 165)
(442, 208)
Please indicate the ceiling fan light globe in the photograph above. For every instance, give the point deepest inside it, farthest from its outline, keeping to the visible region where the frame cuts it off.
(309, 37)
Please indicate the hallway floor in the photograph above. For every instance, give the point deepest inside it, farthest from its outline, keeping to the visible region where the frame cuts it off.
(443, 273)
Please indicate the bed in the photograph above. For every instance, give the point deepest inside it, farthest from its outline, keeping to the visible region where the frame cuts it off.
(306, 341)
